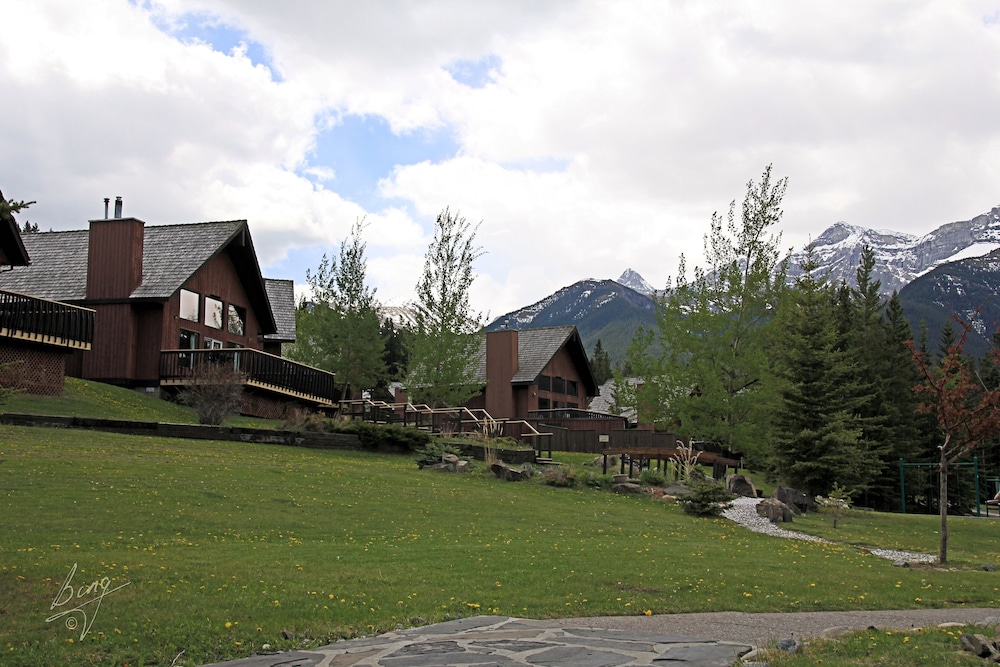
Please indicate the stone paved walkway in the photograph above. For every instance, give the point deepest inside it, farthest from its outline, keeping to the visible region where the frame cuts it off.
(499, 641)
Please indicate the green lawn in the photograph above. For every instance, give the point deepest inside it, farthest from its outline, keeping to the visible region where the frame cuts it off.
(84, 398)
(226, 545)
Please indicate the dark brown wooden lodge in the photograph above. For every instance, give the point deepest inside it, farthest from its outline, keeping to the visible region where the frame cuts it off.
(165, 298)
(36, 335)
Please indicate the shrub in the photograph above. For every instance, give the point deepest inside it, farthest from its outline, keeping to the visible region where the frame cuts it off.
(706, 498)
(563, 476)
(837, 504)
(598, 481)
(215, 392)
(384, 436)
(431, 453)
(304, 421)
(652, 477)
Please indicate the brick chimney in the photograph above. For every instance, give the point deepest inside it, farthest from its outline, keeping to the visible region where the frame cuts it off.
(114, 255)
(501, 365)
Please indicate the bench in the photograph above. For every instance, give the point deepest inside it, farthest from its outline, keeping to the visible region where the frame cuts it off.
(994, 503)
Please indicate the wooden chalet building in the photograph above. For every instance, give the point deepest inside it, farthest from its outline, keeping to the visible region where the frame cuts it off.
(168, 298)
(533, 370)
(36, 335)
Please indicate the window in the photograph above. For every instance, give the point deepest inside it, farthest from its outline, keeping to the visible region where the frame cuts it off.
(543, 382)
(558, 386)
(190, 302)
(188, 341)
(543, 404)
(212, 344)
(213, 312)
(237, 320)
(571, 388)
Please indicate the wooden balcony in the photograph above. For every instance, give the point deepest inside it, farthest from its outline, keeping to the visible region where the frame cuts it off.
(258, 369)
(37, 320)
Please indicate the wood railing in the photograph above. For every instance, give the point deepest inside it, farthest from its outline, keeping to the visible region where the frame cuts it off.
(43, 321)
(259, 369)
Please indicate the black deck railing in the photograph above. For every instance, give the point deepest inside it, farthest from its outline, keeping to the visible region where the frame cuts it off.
(259, 369)
(52, 322)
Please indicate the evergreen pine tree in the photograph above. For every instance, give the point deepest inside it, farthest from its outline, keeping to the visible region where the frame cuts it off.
(600, 364)
(817, 434)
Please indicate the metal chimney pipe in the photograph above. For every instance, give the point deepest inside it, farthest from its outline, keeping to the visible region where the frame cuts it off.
(106, 201)
(118, 207)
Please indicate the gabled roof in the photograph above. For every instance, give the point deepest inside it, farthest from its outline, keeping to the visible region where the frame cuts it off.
(12, 251)
(171, 254)
(536, 348)
(281, 294)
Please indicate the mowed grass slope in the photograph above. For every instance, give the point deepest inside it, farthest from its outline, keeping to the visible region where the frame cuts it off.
(84, 398)
(226, 545)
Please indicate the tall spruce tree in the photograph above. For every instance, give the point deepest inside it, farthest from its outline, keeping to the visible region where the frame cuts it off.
(702, 370)
(444, 344)
(600, 363)
(818, 435)
(338, 327)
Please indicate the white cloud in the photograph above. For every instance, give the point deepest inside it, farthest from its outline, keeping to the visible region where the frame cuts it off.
(654, 114)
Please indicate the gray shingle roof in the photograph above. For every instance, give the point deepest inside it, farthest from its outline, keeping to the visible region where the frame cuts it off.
(171, 254)
(535, 349)
(58, 269)
(281, 294)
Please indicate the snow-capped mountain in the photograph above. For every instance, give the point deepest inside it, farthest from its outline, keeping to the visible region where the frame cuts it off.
(966, 288)
(633, 280)
(900, 258)
(600, 309)
(401, 316)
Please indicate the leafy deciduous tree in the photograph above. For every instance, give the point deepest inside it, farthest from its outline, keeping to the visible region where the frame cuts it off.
(703, 376)
(444, 344)
(338, 330)
(967, 412)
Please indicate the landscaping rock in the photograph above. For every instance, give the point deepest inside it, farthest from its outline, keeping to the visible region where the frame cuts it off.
(989, 567)
(980, 646)
(795, 499)
(677, 490)
(739, 485)
(526, 470)
(792, 646)
(836, 632)
(462, 466)
(900, 563)
(626, 488)
(505, 472)
(449, 458)
(775, 511)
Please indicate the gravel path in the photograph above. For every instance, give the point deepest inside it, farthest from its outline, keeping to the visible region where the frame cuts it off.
(744, 512)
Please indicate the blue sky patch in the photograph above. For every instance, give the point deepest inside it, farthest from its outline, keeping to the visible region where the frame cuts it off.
(201, 27)
(362, 149)
(475, 73)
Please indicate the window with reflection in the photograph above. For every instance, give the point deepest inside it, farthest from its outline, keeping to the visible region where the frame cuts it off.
(558, 386)
(190, 302)
(571, 388)
(237, 320)
(213, 312)
(543, 382)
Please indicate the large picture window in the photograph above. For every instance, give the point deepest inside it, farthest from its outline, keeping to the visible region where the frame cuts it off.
(190, 305)
(213, 312)
(237, 320)
(544, 382)
(558, 386)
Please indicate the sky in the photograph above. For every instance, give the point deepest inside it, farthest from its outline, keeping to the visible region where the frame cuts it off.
(583, 138)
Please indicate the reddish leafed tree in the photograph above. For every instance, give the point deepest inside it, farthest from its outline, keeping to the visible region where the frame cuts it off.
(967, 411)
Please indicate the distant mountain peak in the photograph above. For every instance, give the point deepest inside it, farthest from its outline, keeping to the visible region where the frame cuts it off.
(634, 281)
(899, 257)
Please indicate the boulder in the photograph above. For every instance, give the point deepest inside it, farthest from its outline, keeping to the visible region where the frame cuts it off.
(795, 499)
(626, 488)
(739, 485)
(527, 470)
(980, 646)
(449, 458)
(504, 471)
(775, 511)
